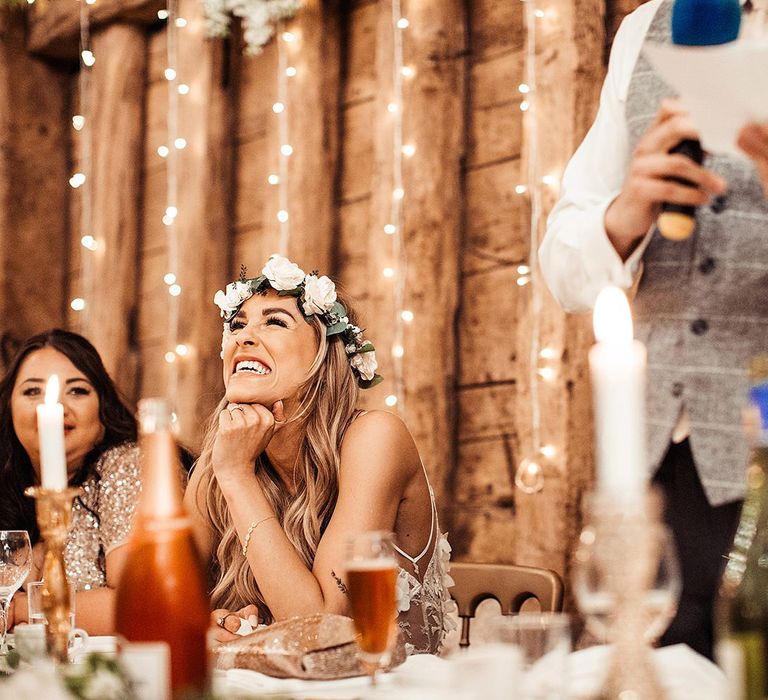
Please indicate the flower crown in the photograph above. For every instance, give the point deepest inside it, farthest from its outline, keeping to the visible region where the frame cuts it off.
(315, 296)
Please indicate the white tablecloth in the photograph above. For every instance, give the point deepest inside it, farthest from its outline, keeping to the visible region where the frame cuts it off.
(684, 674)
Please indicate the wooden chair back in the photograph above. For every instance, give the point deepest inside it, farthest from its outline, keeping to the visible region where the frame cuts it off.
(510, 585)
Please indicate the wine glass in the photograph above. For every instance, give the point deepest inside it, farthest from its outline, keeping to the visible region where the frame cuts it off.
(371, 576)
(595, 591)
(15, 565)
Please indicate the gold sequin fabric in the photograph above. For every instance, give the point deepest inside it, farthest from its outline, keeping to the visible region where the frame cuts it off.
(103, 515)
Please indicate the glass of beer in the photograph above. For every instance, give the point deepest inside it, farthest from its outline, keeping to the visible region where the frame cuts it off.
(371, 575)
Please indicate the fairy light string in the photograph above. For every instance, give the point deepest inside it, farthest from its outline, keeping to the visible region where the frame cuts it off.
(82, 179)
(280, 108)
(529, 476)
(394, 227)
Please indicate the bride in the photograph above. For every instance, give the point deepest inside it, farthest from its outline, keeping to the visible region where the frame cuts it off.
(290, 469)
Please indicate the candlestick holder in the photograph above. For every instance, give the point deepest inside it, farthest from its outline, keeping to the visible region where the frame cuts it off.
(54, 512)
(627, 583)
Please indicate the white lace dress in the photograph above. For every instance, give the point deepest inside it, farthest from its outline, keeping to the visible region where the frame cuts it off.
(426, 612)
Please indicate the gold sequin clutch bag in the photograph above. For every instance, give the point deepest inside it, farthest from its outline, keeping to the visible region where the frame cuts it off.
(316, 647)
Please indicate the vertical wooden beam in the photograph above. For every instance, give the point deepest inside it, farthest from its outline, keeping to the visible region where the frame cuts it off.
(33, 188)
(117, 106)
(570, 71)
(205, 216)
(433, 111)
(314, 121)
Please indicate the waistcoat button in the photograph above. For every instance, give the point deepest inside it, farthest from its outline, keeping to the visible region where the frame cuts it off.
(719, 203)
(707, 265)
(700, 326)
(677, 389)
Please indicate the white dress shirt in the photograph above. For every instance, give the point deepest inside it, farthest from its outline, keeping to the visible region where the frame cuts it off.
(577, 259)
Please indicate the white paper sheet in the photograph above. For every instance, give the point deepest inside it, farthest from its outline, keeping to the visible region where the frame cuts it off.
(723, 87)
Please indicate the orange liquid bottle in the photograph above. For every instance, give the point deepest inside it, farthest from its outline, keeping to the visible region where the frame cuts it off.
(162, 606)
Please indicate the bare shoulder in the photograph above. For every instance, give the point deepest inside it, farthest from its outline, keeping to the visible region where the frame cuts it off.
(381, 438)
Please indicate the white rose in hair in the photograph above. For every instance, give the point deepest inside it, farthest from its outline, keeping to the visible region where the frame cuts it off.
(319, 294)
(283, 274)
(236, 294)
(365, 363)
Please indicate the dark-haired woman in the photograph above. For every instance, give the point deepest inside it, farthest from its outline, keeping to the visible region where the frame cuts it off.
(102, 459)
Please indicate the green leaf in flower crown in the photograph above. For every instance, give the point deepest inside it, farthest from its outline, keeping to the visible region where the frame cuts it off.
(368, 383)
(289, 292)
(366, 347)
(335, 329)
(338, 309)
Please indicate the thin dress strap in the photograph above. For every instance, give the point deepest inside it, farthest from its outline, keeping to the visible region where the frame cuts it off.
(415, 560)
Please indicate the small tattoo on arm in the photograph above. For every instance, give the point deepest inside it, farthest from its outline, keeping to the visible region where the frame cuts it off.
(339, 582)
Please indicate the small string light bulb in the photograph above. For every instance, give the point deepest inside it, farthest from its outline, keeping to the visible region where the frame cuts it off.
(290, 71)
(286, 149)
(88, 58)
(77, 304)
(77, 180)
(170, 357)
(163, 151)
(88, 242)
(183, 89)
(162, 14)
(169, 278)
(407, 316)
(408, 150)
(392, 107)
(170, 74)
(180, 143)
(174, 290)
(524, 106)
(398, 351)
(398, 193)
(549, 180)
(181, 22)
(390, 229)
(288, 37)
(78, 122)
(391, 400)
(278, 108)
(403, 23)
(407, 72)
(273, 179)
(182, 350)
(388, 272)
(523, 270)
(282, 216)
(524, 88)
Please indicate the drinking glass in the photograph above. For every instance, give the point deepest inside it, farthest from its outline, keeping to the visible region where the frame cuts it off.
(595, 591)
(544, 642)
(36, 612)
(15, 565)
(371, 575)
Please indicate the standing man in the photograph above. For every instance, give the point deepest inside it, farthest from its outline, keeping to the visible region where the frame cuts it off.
(699, 306)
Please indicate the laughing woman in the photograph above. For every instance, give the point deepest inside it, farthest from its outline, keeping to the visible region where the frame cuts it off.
(290, 469)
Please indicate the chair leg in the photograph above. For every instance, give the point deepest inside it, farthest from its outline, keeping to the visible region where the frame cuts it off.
(464, 642)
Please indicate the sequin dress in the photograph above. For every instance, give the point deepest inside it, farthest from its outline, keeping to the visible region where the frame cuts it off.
(426, 611)
(102, 516)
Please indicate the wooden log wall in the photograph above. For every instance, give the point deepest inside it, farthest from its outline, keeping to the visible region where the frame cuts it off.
(466, 231)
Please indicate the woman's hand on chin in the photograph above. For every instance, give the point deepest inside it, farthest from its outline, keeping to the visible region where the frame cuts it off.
(244, 433)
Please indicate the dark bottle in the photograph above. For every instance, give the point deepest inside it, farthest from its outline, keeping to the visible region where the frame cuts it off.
(742, 608)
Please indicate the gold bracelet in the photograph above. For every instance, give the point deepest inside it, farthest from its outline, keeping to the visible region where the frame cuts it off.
(251, 528)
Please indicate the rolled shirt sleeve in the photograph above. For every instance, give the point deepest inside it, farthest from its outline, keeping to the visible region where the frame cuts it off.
(577, 259)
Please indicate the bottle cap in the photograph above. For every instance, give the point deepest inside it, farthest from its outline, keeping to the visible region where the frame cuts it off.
(758, 390)
(154, 414)
(705, 22)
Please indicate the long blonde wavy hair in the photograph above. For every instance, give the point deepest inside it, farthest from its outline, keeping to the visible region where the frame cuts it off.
(326, 408)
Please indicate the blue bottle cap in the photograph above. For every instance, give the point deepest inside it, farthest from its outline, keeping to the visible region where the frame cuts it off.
(758, 397)
(705, 22)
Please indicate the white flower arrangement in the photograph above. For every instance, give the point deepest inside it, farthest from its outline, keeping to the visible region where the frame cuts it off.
(259, 18)
(315, 296)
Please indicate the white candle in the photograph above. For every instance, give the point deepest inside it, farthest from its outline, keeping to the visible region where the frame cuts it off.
(50, 430)
(617, 365)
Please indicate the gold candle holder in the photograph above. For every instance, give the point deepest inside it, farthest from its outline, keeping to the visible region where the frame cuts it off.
(54, 512)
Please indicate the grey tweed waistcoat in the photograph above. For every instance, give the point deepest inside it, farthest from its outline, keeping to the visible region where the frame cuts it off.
(699, 306)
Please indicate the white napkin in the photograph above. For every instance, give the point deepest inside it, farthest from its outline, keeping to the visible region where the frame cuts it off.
(723, 87)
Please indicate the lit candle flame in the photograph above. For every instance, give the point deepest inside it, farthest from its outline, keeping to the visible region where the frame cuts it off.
(612, 319)
(52, 390)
